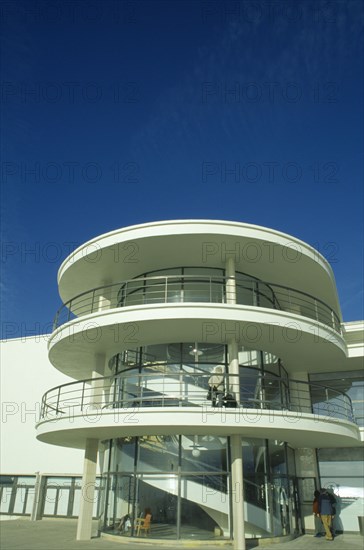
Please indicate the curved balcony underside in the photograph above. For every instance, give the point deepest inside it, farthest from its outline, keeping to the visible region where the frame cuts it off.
(302, 344)
(291, 427)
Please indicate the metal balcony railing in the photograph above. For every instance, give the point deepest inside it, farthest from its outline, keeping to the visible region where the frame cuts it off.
(132, 389)
(197, 289)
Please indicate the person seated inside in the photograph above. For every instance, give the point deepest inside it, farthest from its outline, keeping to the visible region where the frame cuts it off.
(143, 523)
(125, 524)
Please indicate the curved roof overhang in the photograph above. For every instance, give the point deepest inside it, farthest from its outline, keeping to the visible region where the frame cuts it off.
(265, 253)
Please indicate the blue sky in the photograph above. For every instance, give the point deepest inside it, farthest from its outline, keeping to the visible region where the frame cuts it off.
(116, 113)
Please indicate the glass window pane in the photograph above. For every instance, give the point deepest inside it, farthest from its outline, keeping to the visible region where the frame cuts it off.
(124, 451)
(158, 454)
(30, 502)
(197, 290)
(5, 499)
(204, 507)
(26, 481)
(244, 293)
(76, 502)
(50, 501)
(203, 453)
(277, 457)
(62, 504)
(159, 494)
(209, 271)
(19, 500)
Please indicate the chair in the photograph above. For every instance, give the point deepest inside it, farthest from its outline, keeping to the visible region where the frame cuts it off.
(143, 524)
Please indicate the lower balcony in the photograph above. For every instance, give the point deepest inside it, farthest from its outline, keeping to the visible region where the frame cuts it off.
(252, 404)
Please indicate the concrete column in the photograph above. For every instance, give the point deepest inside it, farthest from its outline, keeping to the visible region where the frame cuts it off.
(97, 387)
(84, 524)
(103, 297)
(300, 393)
(306, 468)
(306, 463)
(37, 503)
(237, 483)
(234, 383)
(232, 344)
(230, 281)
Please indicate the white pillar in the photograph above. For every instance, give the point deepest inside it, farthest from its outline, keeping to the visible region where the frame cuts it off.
(300, 392)
(233, 352)
(37, 502)
(84, 524)
(98, 386)
(237, 482)
(306, 462)
(234, 383)
(103, 298)
(230, 281)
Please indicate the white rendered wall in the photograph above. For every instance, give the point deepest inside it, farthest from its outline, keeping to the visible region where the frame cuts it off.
(25, 375)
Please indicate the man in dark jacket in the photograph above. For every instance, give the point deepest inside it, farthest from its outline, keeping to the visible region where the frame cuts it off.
(327, 511)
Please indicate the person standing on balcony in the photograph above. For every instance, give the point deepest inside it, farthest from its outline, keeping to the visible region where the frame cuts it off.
(327, 511)
(216, 383)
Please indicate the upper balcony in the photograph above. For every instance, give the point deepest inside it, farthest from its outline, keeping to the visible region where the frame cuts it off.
(173, 289)
(264, 253)
(168, 308)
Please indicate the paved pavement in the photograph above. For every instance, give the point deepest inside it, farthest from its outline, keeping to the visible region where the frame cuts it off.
(59, 534)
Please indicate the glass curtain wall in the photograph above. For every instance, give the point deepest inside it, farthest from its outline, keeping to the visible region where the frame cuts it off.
(193, 284)
(184, 481)
(177, 374)
(269, 488)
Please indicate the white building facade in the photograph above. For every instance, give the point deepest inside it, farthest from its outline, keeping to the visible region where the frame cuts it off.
(155, 315)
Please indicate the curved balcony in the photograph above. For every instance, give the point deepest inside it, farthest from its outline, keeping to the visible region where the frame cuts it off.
(193, 289)
(158, 387)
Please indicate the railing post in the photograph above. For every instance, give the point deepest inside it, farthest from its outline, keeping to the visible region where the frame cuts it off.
(69, 310)
(316, 310)
(114, 396)
(275, 301)
(82, 395)
(93, 301)
(166, 290)
(58, 398)
(42, 412)
(256, 299)
(125, 293)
